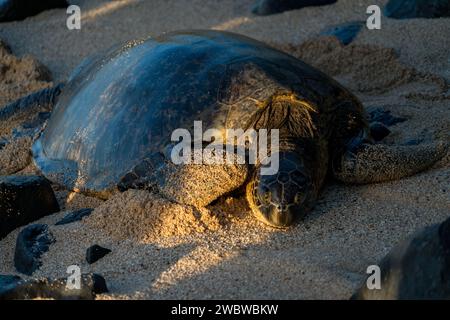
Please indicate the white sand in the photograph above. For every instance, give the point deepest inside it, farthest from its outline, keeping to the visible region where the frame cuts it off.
(229, 254)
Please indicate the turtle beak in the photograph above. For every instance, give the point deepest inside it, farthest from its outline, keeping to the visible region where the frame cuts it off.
(279, 216)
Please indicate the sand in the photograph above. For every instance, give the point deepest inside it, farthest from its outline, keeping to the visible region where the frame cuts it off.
(20, 76)
(163, 250)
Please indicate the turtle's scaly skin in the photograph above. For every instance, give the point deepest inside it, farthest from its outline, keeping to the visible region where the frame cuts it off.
(118, 109)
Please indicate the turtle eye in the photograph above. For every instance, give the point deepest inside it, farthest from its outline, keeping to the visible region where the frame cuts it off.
(298, 198)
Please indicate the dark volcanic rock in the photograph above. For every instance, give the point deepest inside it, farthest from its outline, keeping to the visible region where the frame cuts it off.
(12, 288)
(73, 216)
(406, 9)
(378, 131)
(384, 116)
(418, 268)
(266, 7)
(24, 199)
(3, 142)
(20, 9)
(8, 283)
(344, 32)
(95, 253)
(31, 243)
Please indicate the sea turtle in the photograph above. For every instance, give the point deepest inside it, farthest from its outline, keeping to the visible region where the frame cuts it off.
(113, 121)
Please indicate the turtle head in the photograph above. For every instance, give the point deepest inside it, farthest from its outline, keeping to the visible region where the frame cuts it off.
(281, 198)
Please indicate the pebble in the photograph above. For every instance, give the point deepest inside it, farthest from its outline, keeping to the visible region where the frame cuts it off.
(74, 216)
(267, 7)
(407, 9)
(95, 253)
(14, 288)
(31, 243)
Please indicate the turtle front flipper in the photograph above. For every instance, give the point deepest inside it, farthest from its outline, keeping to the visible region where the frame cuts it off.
(40, 101)
(371, 163)
(142, 175)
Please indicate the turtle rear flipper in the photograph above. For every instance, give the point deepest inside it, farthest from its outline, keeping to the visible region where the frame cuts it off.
(40, 101)
(371, 163)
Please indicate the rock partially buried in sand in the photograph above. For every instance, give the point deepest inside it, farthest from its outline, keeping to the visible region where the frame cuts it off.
(384, 116)
(31, 243)
(14, 288)
(346, 32)
(24, 199)
(3, 143)
(267, 7)
(418, 268)
(11, 10)
(408, 9)
(74, 216)
(378, 131)
(95, 253)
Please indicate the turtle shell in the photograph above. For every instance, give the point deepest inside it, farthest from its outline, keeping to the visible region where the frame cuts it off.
(117, 109)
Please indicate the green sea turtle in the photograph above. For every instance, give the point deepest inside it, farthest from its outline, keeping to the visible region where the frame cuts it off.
(115, 116)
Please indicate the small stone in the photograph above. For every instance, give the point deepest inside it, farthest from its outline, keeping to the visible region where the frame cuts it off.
(7, 283)
(3, 142)
(267, 7)
(95, 253)
(346, 32)
(384, 116)
(74, 216)
(31, 243)
(24, 199)
(14, 288)
(378, 131)
(407, 9)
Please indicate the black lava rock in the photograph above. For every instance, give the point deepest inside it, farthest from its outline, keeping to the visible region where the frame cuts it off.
(384, 117)
(407, 9)
(3, 142)
(95, 253)
(31, 243)
(378, 131)
(24, 199)
(417, 268)
(267, 7)
(346, 32)
(11, 10)
(14, 288)
(73, 216)
(8, 283)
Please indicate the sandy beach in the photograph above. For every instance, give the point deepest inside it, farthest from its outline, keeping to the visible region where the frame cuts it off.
(160, 250)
